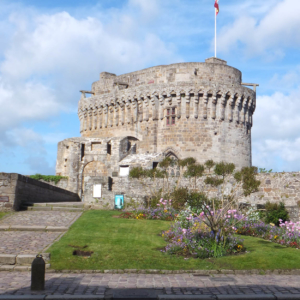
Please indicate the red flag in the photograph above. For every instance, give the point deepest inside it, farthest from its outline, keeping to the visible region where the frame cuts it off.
(217, 6)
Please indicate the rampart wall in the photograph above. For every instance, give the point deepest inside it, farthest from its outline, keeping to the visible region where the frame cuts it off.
(189, 109)
(16, 189)
(275, 187)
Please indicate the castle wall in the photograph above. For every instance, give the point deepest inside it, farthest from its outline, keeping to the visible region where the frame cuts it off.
(16, 189)
(189, 109)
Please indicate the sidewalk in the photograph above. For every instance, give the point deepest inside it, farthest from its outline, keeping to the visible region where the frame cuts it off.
(16, 285)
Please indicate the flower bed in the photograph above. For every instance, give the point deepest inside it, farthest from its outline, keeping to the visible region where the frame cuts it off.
(191, 237)
(164, 211)
(288, 233)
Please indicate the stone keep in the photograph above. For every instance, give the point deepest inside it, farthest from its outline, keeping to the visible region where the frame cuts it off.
(180, 110)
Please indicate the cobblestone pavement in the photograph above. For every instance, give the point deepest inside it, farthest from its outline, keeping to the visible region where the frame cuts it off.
(25, 242)
(18, 283)
(40, 218)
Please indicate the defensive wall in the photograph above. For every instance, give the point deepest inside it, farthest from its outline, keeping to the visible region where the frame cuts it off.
(16, 189)
(189, 109)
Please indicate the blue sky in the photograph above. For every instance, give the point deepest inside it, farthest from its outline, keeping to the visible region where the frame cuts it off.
(52, 49)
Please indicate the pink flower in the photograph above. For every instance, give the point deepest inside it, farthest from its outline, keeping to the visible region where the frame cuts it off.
(184, 231)
(201, 214)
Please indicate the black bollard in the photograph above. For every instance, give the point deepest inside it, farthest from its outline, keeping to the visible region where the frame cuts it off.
(38, 274)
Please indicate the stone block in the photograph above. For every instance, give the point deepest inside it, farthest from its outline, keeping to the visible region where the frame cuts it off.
(28, 228)
(7, 259)
(56, 228)
(4, 227)
(25, 259)
(22, 268)
(7, 267)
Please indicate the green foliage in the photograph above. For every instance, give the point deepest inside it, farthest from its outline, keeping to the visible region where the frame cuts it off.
(179, 197)
(166, 162)
(209, 164)
(273, 212)
(224, 169)
(213, 181)
(263, 170)
(196, 201)
(137, 172)
(194, 170)
(48, 178)
(186, 162)
(247, 176)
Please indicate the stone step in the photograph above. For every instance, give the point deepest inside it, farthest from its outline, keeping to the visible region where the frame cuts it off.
(56, 204)
(21, 259)
(53, 208)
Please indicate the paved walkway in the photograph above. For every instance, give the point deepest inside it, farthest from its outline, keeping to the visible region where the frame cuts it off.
(18, 283)
(40, 218)
(28, 240)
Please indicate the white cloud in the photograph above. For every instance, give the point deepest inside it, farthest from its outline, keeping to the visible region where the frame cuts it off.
(271, 35)
(276, 130)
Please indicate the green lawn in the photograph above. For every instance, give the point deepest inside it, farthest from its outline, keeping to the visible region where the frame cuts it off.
(134, 244)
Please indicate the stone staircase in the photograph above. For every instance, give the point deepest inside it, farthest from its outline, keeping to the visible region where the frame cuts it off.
(57, 206)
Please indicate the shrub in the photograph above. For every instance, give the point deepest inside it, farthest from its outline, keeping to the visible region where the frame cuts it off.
(273, 212)
(179, 197)
(48, 178)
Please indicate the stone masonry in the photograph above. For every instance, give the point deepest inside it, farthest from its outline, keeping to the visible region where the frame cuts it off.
(180, 110)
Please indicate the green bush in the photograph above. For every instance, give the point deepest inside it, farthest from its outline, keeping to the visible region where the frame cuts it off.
(48, 178)
(273, 212)
(179, 197)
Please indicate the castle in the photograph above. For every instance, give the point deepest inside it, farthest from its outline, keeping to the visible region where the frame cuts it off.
(200, 110)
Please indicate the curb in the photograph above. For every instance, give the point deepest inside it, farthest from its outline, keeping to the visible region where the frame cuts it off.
(32, 228)
(196, 273)
(159, 297)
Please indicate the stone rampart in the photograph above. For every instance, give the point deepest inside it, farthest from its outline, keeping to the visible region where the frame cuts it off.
(16, 189)
(275, 187)
(188, 109)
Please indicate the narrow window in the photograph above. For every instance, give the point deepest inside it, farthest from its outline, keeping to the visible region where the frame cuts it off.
(173, 120)
(109, 148)
(82, 151)
(110, 183)
(173, 111)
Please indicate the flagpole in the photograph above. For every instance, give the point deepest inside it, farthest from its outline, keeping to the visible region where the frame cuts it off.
(215, 32)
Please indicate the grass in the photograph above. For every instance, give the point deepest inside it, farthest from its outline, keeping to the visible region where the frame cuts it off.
(134, 244)
(2, 214)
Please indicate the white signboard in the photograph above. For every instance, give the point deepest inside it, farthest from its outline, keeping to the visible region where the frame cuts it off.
(124, 171)
(97, 191)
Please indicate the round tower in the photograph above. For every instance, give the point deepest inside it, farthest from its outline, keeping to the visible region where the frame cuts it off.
(185, 109)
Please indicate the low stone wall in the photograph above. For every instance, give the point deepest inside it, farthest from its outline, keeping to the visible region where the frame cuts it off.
(63, 183)
(16, 189)
(275, 187)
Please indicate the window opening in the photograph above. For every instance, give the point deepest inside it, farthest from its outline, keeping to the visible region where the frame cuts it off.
(108, 148)
(155, 164)
(82, 151)
(124, 170)
(110, 183)
(170, 119)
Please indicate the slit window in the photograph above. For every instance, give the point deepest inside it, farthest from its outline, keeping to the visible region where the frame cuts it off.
(108, 148)
(110, 183)
(170, 118)
(82, 151)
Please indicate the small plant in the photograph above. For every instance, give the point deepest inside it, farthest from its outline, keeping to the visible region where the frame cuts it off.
(48, 178)
(274, 212)
(263, 170)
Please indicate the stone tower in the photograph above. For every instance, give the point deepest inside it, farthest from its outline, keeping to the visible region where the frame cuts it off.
(186, 109)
